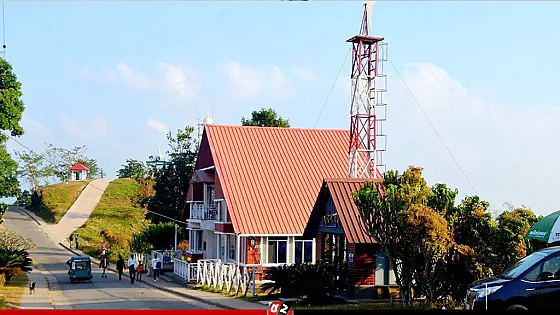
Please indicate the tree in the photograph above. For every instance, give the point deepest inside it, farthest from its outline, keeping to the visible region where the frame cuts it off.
(383, 207)
(172, 180)
(133, 169)
(62, 159)
(11, 105)
(9, 184)
(32, 168)
(265, 118)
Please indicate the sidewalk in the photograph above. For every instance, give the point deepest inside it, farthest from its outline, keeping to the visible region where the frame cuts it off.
(40, 299)
(214, 299)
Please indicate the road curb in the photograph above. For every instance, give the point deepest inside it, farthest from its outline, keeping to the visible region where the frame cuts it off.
(185, 295)
(29, 215)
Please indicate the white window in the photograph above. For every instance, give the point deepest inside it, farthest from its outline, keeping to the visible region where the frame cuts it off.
(195, 241)
(277, 250)
(303, 251)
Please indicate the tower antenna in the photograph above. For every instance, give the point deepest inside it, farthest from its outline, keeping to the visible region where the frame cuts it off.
(368, 111)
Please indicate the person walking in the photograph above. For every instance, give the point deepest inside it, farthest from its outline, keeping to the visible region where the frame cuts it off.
(156, 265)
(120, 266)
(139, 271)
(104, 264)
(132, 268)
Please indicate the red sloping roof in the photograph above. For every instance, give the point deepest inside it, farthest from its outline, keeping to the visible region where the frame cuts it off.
(341, 192)
(271, 176)
(79, 167)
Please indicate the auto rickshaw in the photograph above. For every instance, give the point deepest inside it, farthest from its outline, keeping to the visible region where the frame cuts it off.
(80, 269)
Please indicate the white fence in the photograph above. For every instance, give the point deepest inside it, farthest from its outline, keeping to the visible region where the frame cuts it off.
(234, 277)
(185, 270)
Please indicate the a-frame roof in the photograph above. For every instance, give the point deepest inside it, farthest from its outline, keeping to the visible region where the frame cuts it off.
(270, 176)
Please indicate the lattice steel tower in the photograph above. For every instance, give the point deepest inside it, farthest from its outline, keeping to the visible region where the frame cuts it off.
(367, 111)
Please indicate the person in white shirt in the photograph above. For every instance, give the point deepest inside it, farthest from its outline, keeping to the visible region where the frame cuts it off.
(156, 265)
(132, 267)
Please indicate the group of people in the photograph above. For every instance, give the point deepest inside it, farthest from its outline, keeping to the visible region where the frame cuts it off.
(77, 238)
(136, 269)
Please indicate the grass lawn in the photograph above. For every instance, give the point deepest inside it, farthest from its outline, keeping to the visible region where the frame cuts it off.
(57, 199)
(12, 291)
(113, 221)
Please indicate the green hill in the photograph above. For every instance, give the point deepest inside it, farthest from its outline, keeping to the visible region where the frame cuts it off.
(55, 200)
(114, 220)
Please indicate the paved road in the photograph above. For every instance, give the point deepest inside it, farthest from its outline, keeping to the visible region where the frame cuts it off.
(103, 293)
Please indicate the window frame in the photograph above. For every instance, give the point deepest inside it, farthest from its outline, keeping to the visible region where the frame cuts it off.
(302, 252)
(269, 247)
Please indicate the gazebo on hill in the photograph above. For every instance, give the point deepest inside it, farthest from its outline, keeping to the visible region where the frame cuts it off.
(79, 172)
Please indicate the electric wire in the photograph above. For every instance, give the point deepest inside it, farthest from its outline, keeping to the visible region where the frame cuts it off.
(433, 127)
(90, 184)
(332, 87)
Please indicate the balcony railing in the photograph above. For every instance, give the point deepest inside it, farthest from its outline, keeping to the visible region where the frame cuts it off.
(200, 211)
(330, 221)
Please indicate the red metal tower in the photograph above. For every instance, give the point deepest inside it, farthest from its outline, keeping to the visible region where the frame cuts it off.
(367, 111)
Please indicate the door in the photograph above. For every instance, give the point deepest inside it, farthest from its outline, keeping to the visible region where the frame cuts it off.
(544, 291)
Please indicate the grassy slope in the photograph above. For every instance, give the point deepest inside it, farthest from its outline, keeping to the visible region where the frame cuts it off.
(57, 199)
(12, 291)
(113, 221)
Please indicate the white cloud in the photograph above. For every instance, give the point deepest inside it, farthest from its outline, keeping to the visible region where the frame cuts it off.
(29, 124)
(306, 74)
(175, 79)
(166, 78)
(249, 82)
(506, 150)
(87, 128)
(157, 125)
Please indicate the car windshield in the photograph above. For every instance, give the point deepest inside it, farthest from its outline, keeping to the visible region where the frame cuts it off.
(523, 265)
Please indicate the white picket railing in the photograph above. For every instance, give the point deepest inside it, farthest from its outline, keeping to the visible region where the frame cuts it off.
(185, 270)
(215, 273)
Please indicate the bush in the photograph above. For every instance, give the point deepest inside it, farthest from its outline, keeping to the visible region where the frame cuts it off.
(12, 262)
(140, 243)
(162, 235)
(314, 281)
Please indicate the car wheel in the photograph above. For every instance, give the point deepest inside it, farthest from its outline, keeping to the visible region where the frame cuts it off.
(517, 307)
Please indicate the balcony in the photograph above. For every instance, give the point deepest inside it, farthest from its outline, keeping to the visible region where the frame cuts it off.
(200, 211)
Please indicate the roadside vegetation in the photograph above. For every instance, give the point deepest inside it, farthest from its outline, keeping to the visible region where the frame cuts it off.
(14, 263)
(114, 220)
(53, 201)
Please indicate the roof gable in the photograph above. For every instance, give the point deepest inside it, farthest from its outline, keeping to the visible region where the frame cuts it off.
(79, 167)
(340, 190)
(270, 176)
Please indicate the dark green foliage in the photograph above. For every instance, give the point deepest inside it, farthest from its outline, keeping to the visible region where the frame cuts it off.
(140, 243)
(133, 169)
(3, 208)
(161, 235)
(265, 118)
(172, 180)
(11, 105)
(13, 262)
(314, 281)
(9, 184)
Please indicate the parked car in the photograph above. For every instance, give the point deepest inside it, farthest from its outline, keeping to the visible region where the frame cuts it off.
(531, 283)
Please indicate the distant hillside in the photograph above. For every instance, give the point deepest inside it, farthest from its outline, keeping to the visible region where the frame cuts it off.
(55, 200)
(114, 220)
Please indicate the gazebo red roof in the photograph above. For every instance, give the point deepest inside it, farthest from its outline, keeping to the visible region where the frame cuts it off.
(79, 167)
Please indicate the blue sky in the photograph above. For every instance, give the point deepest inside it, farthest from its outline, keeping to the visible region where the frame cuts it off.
(114, 75)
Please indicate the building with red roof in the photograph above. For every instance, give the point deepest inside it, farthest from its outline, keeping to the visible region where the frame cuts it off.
(79, 172)
(254, 191)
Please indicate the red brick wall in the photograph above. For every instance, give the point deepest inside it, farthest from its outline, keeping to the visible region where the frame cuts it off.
(362, 271)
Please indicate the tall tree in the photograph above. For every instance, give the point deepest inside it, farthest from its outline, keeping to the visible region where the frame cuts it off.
(383, 208)
(172, 180)
(265, 118)
(133, 169)
(32, 168)
(61, 159)
(11, 105)
(11, 111)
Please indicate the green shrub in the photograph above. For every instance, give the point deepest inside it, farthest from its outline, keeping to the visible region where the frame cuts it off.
(12, 262)
(314, 281)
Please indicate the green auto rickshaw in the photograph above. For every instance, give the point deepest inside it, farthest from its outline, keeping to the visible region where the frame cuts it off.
(80, 269)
